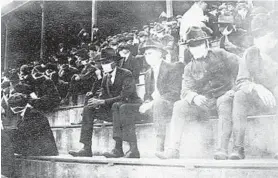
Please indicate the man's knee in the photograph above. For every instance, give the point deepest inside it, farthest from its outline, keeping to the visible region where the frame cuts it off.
(116, 106)
(160, 102)
(240, 97)
(181, 105)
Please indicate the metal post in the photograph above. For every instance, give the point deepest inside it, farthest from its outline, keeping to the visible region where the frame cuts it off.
(94, 16)
(42, 31)
(169, 8)
(6, 44)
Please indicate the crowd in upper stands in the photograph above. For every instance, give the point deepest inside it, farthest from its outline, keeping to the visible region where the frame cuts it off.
(232, 26)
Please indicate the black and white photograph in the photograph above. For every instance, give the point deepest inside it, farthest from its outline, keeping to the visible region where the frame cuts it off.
(139, 89)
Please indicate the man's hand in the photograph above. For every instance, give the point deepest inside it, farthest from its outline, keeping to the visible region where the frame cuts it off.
(89, 93)
(265, 95)
(145, 107)
(95, 102)
(201, 101)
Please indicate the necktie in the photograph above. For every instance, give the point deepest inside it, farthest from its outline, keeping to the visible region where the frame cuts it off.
(108, 84)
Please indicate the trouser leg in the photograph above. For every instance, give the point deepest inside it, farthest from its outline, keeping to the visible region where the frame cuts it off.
(241, 105)
(183, 113)
(87, 126)
(117, 128)
(162, 111)
(127, 115)
(224, 108)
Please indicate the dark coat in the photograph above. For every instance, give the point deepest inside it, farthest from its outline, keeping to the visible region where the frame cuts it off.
(123, 89)
(33, 136)
(211, 77)
(48, 94)
(168, 82)
(133, 65)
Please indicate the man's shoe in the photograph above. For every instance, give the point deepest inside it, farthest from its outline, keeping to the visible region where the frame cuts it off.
(115, 153)
(220, 155)
(237, 154)
(81, 153)
(276, 156)
(132, 154)
(169, 154)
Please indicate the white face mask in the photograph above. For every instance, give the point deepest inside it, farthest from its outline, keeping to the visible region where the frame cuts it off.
(199, 51)
(265, 43)
(153, 57)
(107, 67)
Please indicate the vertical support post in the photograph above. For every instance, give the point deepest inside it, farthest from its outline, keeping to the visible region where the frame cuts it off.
(94, 18)
(6, 44)
(42, 31)
(169, 8)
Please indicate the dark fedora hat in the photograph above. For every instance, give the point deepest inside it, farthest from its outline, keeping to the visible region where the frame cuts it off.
(108, 54)
(151, 43)
(195, 36)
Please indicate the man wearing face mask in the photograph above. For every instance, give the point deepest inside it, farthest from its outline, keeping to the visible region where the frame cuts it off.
(32, 135)
(162, 89)
(128, 61)
(256, 89)
(207, 80)
(117, 87)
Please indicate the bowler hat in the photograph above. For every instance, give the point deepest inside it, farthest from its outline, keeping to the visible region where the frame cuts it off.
(151, 43)
(108, 54)
(195, 36)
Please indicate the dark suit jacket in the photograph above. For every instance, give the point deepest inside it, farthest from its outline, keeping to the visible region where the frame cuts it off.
(133, 65)
(168, 82)
(123, 89)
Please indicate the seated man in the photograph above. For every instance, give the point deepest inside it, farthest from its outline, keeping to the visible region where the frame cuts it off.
(206, 82)
(31, 135)
(129, 62)
(117, 86)
(163, 85)
(256, 90)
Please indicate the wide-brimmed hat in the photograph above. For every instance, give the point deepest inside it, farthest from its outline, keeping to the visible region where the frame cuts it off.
(108, 54)
(151, 43)
(195, 36)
